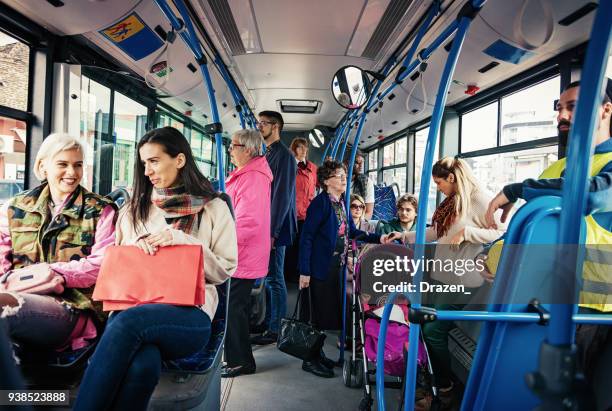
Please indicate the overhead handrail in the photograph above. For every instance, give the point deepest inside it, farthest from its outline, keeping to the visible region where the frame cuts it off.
(187, 33)
(460, 27)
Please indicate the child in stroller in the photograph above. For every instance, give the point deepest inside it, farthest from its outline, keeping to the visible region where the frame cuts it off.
(360, 368)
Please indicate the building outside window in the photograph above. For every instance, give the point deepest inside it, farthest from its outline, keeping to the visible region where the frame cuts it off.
(14, 78)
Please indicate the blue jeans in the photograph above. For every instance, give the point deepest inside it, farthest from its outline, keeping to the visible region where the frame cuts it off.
(40, 320)
(126, 365)
(276, 304)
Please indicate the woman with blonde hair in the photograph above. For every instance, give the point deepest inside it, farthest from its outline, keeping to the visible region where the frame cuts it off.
(59, 228)
(460, 229)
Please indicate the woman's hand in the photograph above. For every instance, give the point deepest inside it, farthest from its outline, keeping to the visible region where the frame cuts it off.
(500, 201)
(458, 238)
(389, 238)
(161, 239)
(146, 247)
(304, 281)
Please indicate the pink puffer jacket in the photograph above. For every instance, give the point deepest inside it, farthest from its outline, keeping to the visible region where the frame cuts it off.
(250, 191)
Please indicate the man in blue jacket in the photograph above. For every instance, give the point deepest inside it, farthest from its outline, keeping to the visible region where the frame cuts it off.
(284, 220)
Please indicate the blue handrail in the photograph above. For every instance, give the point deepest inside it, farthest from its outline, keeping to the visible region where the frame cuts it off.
(332, 140)
(345, 130)
(430, 148)
(188, 34)
(580, 152)
(461, 27)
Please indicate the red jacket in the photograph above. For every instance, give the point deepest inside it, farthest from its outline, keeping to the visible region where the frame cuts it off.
(305, 185)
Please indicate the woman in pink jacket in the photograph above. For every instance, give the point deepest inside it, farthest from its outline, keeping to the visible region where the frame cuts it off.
(249, 187)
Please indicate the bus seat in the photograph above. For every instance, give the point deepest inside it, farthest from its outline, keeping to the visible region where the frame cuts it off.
(195, 381)
(495, 366)
(384, 201)
(119, 196)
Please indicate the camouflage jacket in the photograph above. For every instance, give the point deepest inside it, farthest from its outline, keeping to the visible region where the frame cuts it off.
(37, 237)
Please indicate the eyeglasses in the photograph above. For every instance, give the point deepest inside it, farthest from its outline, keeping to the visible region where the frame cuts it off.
(232, 146)
(340, 176)
(265, 123)
(357, 207)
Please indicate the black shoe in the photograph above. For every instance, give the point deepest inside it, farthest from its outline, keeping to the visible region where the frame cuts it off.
(231, 372)
(326, 362)
(265, 339)
(258, 329)
(316, 368)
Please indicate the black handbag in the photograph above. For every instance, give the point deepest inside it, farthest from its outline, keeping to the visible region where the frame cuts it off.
(299, 338)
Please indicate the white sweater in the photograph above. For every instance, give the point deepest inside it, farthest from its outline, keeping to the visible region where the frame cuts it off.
(476, 232)
(216, 234)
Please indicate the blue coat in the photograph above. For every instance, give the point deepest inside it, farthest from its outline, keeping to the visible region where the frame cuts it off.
(284, 217)
(319, 235)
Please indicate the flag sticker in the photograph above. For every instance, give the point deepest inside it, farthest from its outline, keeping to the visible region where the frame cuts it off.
(133, 36)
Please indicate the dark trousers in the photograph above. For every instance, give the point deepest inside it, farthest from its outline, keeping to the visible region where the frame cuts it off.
(126, 365)
(594, 351)
(436, 337)
(237, 345)
(291, 257)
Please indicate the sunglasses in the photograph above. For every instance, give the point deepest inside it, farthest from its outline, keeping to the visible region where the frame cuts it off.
(357, 206)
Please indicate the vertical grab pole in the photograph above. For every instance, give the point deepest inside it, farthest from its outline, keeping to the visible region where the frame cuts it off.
(347, 197)
(580, 151)
(436, 120)
(191, 40)
(557, 366)
(345, 126)
(332, 140)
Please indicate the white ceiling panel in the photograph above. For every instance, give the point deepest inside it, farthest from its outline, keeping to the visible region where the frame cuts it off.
(266, 99)
(293, 70)
(306, 27)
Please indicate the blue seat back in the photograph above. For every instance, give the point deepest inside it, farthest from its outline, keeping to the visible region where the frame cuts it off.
(384, 202)
(497, 376)
(202, 361)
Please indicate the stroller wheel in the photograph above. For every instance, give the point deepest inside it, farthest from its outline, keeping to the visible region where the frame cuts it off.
(365, 404)
(352, 373)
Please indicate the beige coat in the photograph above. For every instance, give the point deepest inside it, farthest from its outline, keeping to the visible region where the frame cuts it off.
(476, 232)
(216, 234)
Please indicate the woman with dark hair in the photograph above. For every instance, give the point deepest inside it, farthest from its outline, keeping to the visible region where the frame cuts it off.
(172, 204)
(323, 247)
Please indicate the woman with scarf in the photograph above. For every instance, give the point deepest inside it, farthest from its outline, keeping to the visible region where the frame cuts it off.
(323, 246)
(460, 229)
(172, 204)
(58, 228)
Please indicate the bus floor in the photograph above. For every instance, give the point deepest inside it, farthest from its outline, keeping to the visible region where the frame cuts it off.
(281, 384)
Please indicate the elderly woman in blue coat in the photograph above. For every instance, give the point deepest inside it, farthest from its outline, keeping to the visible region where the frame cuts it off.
(323, 245)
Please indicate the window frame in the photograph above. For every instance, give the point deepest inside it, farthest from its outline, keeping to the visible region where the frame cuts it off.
(497, 98)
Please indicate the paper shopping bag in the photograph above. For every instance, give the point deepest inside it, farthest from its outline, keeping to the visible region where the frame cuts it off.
(129, 277)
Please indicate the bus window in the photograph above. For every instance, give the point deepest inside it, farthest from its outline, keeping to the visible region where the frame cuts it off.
(129, 125)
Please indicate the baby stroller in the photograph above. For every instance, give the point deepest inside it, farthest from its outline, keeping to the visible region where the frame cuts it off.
(359, 370)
